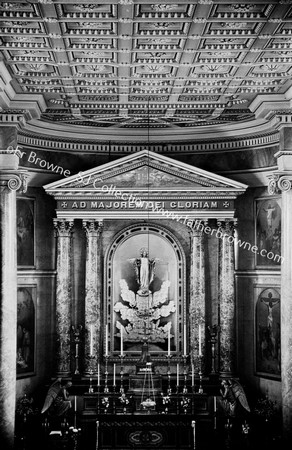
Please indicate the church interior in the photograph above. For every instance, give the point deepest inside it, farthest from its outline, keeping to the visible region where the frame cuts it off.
(145, 209)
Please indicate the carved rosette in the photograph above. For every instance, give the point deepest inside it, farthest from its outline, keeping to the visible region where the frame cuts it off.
(197, 294)
(279, 182)
(93, 229)
(226, 298)
(63, 230)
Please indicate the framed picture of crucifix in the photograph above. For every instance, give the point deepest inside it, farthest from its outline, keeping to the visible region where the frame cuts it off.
(267, 332)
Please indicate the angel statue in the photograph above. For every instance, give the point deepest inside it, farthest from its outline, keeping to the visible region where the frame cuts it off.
(144, 268)
(234, 401)
(57, 401)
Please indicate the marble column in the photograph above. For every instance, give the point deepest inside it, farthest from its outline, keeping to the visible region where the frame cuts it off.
(197, 294)
(226, 299)
(93, 276)
(11, 181)
(281, 182)
(63, 230)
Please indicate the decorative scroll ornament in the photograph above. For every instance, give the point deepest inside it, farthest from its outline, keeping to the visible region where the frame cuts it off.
(14, 182)
(87, 7)
(163, 7)
(279, 183)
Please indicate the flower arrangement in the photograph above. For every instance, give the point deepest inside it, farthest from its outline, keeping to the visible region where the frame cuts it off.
(185, 401)
(123, 399)
(24, 406)
(266, 408)
(105, 402)
(166, 400)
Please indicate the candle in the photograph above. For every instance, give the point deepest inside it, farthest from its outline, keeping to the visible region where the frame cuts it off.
(214, 403)
(177, 374)
(75, 403)
(122, 349)
(168, 348)
(114, 382)
(91, 339)
(77, 350)
(106, 340)
(193, 375)
(185, 340)
(200, 340)
(98, 374)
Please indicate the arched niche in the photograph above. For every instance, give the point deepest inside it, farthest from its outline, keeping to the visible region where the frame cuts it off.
(120, 311)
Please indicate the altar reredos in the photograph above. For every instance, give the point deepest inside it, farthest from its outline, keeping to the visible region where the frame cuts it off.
(114, 190)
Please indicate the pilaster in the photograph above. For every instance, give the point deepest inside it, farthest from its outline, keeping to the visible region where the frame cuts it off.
(281, 182)
(11, 181)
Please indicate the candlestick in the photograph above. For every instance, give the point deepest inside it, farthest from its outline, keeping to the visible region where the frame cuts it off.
(200, 340)
(122, 347)
(200, 375)
(114, 381)
(168, 347)
(76, 333)
(91, 339)
(185, 340)
(106, 340)
(106, 389)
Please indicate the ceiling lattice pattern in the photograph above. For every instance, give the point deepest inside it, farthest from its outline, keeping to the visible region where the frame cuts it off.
(129, 64)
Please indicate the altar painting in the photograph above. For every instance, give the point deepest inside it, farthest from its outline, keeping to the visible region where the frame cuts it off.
(145, 294)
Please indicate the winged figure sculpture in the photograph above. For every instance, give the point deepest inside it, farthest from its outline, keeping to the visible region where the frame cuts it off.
(57, 400)
(144, 310)
(234, 401)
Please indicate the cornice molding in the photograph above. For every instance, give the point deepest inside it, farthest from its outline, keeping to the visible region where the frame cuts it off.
(191, 146)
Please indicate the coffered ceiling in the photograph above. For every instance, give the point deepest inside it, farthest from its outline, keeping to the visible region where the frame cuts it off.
(120, 66)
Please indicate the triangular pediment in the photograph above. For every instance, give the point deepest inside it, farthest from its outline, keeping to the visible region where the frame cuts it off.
(145, 170)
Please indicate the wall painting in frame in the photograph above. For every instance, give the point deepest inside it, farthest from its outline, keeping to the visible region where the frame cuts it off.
(268, 231)
(267, 332)
(26, 330)
(25, 211)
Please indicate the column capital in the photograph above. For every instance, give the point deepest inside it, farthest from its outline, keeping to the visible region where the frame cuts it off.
(197, 228)
(227, 226)
(13, 181)
(280, 182)
(92, 227)
(63, 227)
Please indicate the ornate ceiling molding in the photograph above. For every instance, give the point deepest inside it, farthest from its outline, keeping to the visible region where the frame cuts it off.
(122, 66)
(104, 147)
